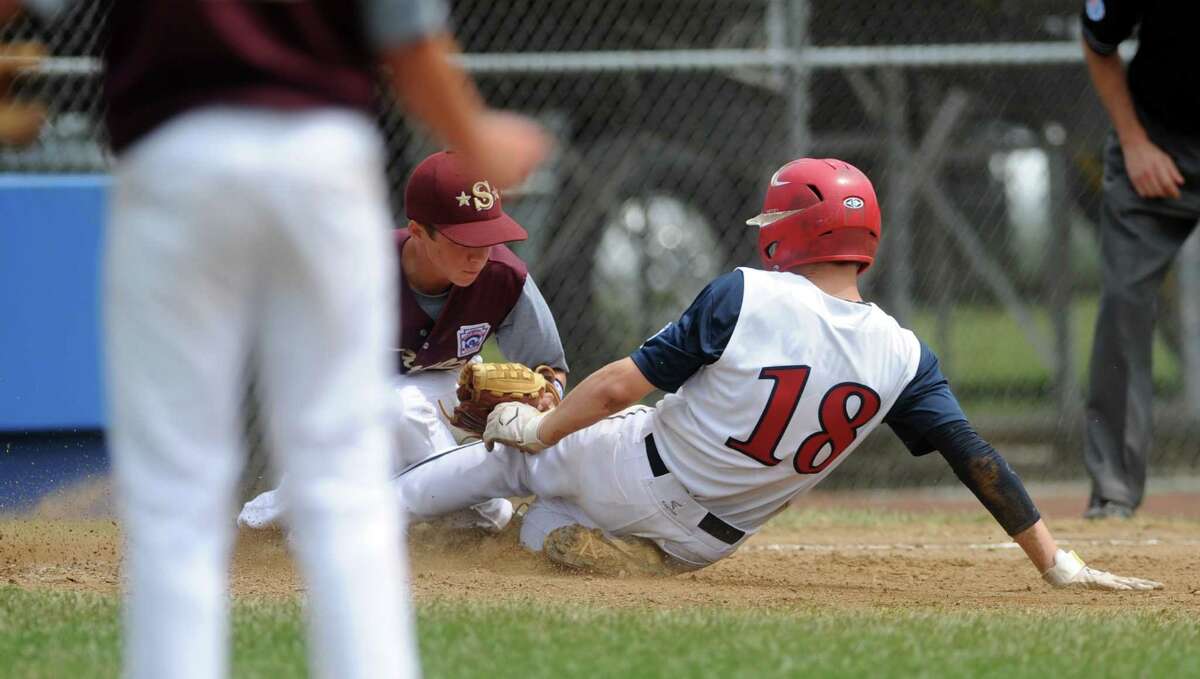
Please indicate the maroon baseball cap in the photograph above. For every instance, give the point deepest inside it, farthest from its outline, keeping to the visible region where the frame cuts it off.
(463, 207)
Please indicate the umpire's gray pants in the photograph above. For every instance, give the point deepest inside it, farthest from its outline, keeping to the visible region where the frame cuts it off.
(1138, 240)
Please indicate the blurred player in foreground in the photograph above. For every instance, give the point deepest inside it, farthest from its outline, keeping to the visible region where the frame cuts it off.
(774, 378)
(459, 285)
(249, 218)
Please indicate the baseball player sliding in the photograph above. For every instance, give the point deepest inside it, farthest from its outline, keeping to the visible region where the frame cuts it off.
(458, 286)
(773, 377)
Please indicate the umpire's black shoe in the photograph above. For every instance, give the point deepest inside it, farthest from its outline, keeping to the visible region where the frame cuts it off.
(1108, 510)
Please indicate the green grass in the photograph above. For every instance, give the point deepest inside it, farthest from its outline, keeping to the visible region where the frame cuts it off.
(69, 634)
(49, 635)
(64, 634)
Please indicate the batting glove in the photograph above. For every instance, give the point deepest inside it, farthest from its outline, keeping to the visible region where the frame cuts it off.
(514, 424)
(1069, 571)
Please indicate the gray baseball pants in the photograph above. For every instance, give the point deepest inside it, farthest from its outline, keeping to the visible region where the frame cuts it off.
(1139, 238)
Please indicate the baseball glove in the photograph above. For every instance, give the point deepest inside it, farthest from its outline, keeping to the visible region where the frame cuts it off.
(483, 386)
(19, 121)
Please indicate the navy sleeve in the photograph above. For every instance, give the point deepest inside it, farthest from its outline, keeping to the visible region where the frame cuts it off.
(925, 404)
(697, 339)
(982, 469)
(1106, 23)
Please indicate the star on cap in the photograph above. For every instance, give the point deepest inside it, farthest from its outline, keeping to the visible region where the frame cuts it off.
(463, 199)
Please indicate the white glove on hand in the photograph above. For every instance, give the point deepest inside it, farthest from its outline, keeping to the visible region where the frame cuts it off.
(514, 424)
(1070, 571)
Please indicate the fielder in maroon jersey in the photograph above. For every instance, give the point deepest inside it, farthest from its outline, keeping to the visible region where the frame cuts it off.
(459, 286)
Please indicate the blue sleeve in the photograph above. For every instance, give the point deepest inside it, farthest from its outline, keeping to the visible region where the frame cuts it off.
(47, 10)
(925, 404)
(394, 23)
(697, 339)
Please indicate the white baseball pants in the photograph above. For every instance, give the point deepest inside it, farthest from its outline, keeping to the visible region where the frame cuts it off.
(598, 477)
(237, 232)
(420, 431)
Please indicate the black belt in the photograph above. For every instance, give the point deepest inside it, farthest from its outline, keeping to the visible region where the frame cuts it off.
(711, 523)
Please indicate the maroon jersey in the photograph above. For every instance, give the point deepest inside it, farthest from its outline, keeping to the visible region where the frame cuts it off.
(166, 57)
(470, 316)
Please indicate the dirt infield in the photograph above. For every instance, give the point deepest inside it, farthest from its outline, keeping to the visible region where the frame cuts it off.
(809, 558)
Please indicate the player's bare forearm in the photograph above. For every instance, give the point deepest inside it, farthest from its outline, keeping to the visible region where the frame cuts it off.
(436, 91)
(610, 389)
(1151, 170)
(1108, 77)
(1039, 545)
(501, 146)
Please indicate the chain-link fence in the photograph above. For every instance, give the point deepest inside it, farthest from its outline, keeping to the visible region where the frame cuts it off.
(975, 119)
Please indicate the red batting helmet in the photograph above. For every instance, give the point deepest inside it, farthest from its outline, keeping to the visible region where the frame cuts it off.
(818, 211)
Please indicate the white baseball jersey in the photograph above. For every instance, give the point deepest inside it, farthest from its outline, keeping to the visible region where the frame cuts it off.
(801, 379)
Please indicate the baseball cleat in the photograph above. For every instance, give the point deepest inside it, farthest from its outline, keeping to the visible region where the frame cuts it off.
(590, 550)
(494, 515)
(1108, 510)
(490, 517)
